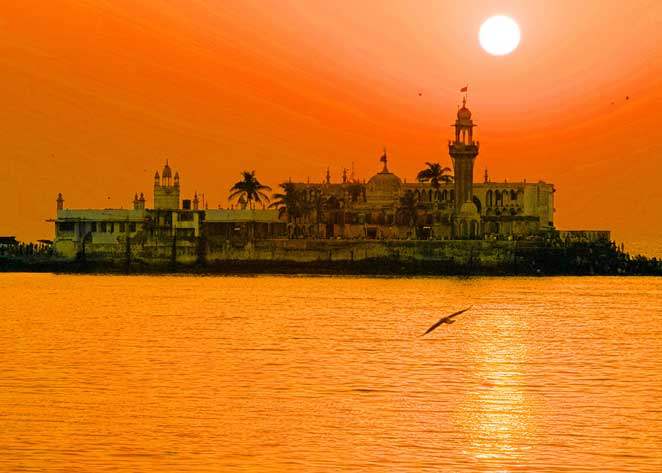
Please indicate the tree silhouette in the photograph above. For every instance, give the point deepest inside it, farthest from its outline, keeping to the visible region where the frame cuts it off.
(289, 202)
(434, 174)
(250, 189)
(408, 208)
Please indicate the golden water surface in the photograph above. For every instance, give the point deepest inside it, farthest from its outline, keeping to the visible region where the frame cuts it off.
(111, 373)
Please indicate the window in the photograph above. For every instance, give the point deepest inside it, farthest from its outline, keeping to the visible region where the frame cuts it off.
(94, 226)
(185, 232)
(132, 227)
(65, 227)
(121, 229)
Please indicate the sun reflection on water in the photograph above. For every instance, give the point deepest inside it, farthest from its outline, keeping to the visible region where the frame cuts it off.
(497, 416)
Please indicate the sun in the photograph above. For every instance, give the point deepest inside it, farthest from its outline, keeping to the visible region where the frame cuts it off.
(499, 35)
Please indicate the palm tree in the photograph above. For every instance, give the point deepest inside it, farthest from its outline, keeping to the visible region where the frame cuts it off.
(409, 208)
(318, 203)
(288, 202)
(250, 189)
(434, 174)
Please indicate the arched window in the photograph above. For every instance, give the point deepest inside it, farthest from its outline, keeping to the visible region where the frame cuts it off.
(444, 195)
(452, 196)
(477, 203)
(430, 196)
(489, 198)
(505, 197)
(497, 199)
(513, 195)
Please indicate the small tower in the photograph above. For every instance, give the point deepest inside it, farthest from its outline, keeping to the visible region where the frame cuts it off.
(328, 175)
(166, 192)
(463, 151)
(196, 202)
(139, 202)
(60, 201)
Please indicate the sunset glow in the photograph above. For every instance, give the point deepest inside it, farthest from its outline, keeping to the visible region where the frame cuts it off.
(98, 94)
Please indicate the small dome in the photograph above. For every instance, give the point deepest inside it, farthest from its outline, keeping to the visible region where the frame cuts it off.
(464, 113)
(156, 175)
(166, 171)
(469, 210)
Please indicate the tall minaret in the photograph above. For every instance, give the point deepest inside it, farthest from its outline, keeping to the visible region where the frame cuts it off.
(463, 152)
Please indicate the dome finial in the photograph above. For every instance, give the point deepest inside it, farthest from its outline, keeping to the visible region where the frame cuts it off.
(384, 160)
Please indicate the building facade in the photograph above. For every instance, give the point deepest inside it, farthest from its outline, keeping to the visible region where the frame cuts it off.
(385, 207)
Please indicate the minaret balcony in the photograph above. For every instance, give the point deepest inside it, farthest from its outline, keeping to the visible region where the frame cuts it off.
(461, 148)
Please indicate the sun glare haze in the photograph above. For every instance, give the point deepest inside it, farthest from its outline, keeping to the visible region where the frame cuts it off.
(499, 35)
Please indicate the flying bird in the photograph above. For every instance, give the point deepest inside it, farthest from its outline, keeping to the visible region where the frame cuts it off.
(446, 320)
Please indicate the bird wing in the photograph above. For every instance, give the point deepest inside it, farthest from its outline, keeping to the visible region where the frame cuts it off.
(444, 319)
(458, 312)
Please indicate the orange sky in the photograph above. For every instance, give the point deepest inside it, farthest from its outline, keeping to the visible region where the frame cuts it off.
(96, 94)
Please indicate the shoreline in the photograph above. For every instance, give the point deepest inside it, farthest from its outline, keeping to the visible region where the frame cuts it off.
(586, 260)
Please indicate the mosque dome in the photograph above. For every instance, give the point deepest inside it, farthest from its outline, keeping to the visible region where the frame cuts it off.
(383, 186)
(385, 180)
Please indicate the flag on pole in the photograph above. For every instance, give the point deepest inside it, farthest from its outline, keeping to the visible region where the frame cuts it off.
(464, 89)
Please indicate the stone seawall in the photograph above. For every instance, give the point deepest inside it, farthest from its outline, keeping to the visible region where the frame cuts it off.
(481, 253)
(376, 257)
